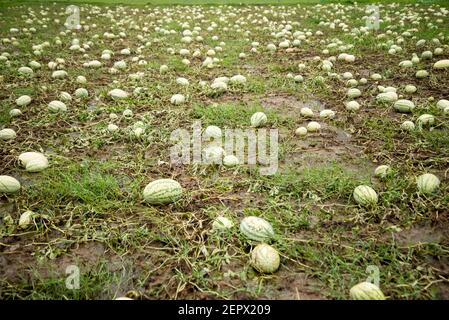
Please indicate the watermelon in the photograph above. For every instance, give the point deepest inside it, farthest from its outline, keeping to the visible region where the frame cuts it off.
(33, 161)
(59, 74)
(366, 291)
(313, 126)
(427, 183)
(222, 223)
(353, 93)
(255, 228)
(421, 74)
(9, 184)
(118, 94)
(56, 106)
(408, 126)
(404, 106)
(162, 191)
(365, 195)
(442, 64)
(212, 132)
(258, 119)
(301, 131)
(230, 161)
(352, 105)
(426, 119)
(443, 104)
(387, 97)
(36, 165)
(26, 219)
(25, 71)
(265, 259)
(7, 134)
(410, 88)
(23, 101)
(382, 171)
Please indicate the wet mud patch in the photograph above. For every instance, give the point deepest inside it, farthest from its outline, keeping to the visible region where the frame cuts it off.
(289, 105)
(419, 235)
(294, 286)
(330, 146)
(15, 261)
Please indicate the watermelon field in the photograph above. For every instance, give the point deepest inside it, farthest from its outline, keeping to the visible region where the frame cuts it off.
(280, 150)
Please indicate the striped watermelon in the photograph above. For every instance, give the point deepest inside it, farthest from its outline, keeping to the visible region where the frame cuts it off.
(162, 191)
(366, 291)
(265, 258)
(365, 195)
(387, 97)
(426, 120)
(427, 183)
(256, 228)
(404, 106)
(9, 184)
(258, 119)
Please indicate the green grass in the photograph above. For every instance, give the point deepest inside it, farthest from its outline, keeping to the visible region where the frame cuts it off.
(233, 115)
(99, 281)
(89, 184)
(332, 181)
